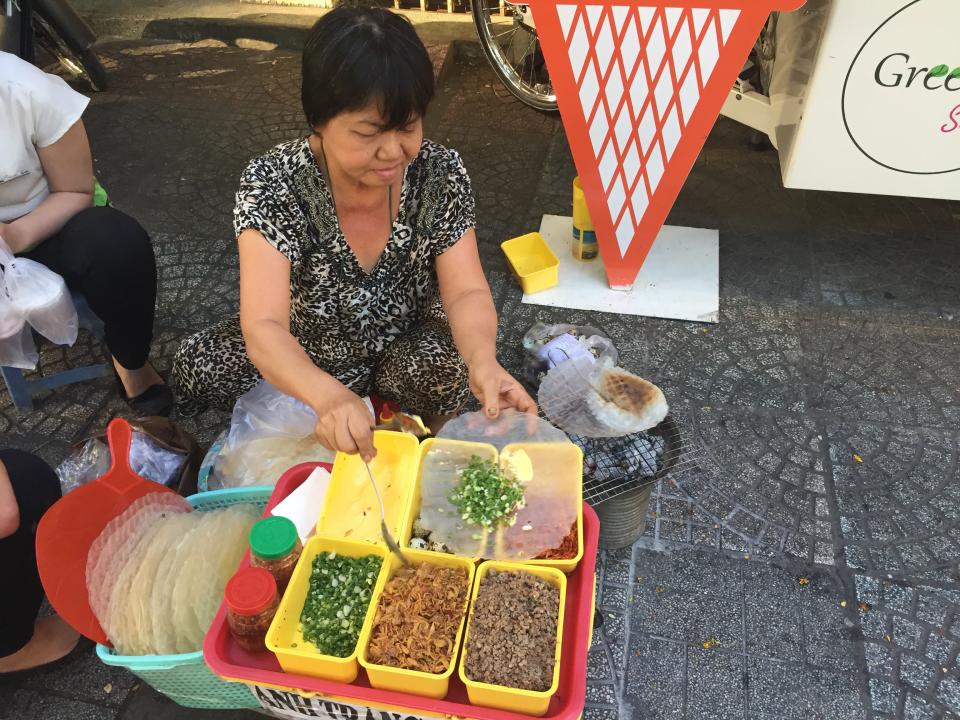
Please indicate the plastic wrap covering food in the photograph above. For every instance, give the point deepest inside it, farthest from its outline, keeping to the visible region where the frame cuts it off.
(156, 574)
(533, 454)
(270, 432)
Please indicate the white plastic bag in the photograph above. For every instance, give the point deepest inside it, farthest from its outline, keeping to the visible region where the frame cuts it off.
(40, 296)
(16, 340)
(270, 432)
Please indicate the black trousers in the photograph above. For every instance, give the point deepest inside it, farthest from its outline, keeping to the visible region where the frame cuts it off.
(107, 257)
(36, 488)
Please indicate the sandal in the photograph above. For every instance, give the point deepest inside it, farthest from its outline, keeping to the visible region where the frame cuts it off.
(155, 400)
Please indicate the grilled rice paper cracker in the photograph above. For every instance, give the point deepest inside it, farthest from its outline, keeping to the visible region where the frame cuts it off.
(627, 402)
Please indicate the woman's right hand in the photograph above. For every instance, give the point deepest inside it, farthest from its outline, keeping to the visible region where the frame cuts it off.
(344, 423)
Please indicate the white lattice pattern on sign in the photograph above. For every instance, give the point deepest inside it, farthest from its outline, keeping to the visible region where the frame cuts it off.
(640, 72)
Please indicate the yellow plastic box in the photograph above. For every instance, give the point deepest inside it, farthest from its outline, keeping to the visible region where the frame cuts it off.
(460, 447)
(350, 509)
(532, 262)
(285, 636)
(500, 697)
(554, 458)
(558, 460)
(410, 681)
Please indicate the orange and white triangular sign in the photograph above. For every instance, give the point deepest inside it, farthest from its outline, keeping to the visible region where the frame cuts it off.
(639, 85)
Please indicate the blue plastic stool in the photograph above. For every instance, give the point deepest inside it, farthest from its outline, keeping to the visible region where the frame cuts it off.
(23, 391)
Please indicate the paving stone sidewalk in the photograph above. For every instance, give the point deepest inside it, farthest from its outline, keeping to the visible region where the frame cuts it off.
(802, 562)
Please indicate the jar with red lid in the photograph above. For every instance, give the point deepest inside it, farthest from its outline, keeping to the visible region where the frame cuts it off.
(251, 598)
(275, 546)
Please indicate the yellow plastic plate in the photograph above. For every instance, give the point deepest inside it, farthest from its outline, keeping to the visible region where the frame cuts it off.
(410, 681)
(285, 636)
(499, 697)
(350, 509)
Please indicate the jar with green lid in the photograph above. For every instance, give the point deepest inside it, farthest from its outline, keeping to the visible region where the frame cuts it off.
(275, 547)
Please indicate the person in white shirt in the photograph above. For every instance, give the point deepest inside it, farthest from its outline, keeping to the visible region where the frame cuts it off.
(47, 213)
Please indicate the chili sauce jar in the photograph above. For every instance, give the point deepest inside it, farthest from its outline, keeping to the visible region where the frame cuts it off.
(251, 598)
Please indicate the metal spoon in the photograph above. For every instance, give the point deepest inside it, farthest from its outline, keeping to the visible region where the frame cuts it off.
(384, 531)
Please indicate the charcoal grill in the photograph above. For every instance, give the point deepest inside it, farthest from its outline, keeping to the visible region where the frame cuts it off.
(621, 497)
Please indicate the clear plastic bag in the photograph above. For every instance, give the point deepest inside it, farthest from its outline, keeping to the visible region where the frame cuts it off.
(88, 462)
(41, 297)
(545, 347)
(148, 458)
(269, 433)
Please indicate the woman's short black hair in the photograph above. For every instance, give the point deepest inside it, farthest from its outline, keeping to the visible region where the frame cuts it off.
(357, 55)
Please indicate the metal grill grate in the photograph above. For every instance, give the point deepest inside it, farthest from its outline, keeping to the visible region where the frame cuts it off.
(614, 466)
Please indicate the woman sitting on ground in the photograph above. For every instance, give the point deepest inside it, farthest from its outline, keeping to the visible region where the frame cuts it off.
(359, 269)
(47, 214)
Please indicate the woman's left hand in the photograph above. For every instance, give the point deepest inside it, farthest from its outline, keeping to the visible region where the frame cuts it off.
(496, 389)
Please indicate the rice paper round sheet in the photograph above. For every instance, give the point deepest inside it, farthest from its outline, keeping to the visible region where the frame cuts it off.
(161, 572)
(598, 400)
(112, 548)
(534, 453)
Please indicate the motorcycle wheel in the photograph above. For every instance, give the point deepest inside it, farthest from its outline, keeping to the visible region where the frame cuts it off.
(83, 65)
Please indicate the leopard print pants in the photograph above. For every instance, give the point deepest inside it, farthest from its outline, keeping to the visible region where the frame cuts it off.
(422, 372)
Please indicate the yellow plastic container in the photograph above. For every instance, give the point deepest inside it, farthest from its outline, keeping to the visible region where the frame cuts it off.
(532, 262)
(584, 236)
(459, 447)
(285, 636)
(350, 509)
(499, 697)
(557, 460)
(553, 459)
(581, 213)
(410, 681)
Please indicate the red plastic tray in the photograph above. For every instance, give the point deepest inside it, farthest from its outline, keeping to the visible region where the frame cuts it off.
(230, 662)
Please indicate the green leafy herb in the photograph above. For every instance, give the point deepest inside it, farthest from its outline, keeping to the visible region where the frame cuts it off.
(485, 496)
(955, 73)
(939, 70)
(337, 602)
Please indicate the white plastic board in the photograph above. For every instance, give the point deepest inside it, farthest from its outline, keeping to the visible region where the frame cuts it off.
(680, 279)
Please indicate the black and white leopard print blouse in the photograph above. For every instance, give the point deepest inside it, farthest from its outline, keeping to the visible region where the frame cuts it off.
(338, 312)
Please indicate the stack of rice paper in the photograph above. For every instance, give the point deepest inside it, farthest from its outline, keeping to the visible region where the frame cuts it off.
(155, 575)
